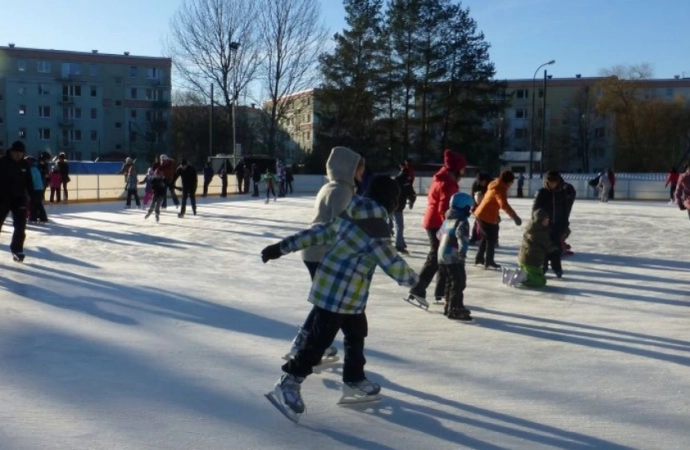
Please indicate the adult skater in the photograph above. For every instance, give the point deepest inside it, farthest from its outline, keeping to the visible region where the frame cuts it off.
(187, 174)
(672, 179)
(443, 186)
(553, 200)
(343, 168)
(63, 168)
(495, 199)
(520, 185)
(15, 185)
(359, 241)
(407, 196)
(683, 190)
(604, 187)
(208, 177)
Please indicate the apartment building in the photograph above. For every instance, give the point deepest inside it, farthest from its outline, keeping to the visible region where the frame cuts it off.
(298, 123)
(85, 104)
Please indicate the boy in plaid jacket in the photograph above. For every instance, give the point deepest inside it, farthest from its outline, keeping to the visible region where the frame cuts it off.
(360, 241)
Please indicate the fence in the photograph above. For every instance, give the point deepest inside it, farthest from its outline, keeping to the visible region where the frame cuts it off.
(87, 188)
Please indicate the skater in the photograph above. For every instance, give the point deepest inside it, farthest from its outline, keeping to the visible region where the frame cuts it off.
(359, 242)
(37, 213)
(256, 179)
(148, 187)
(208, 177)
(187, 175)
(552, 199)
(248, 173)
(343, 168)
(223, 174)
(612, 181)
(270, 181)
(536, 245)
(479, 187)
(604, 187)
(520, 185)
(63, 167)
(280, 173)
(452, 252)
(289, 179)
(15, 185)
(683, 190)
(167, 168)
(132, 185)
(443, 186)
(126, 168)
(407, 196)
(55, 184)
(672, 179)
(570, 195)
(239, 173)
(43, 165)
(160, 191)
(495, 199)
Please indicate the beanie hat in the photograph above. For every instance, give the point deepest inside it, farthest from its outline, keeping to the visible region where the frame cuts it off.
(539, 214)
(452, 161)
(507, 176)
(383, 190)
(18, 146)
(552, 176)
(128, 160)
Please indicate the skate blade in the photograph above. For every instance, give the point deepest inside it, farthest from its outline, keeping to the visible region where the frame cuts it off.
(414, 302)
(326, 360)
(287, 412)
(349, 400)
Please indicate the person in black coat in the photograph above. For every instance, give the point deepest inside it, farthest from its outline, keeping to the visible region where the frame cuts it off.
(187, 174)
(552, 198)
(63, 167)
(570, 195)
(406, 194)
(208, 177)
(15, 185)
(239, 173)
(43, 165)
(223, 174)
(256, 178)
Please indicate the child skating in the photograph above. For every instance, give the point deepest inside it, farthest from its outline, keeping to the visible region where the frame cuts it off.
(360, 241)
(160, 188)
(270, 181)
(536, 244)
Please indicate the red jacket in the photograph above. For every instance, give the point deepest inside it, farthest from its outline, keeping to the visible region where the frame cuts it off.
(443, 186)
(672, 178)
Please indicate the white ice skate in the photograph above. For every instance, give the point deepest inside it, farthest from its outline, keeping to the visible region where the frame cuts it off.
(417, 300)
(517, 278)
(364, 391)
(286, 397)
(507, 276)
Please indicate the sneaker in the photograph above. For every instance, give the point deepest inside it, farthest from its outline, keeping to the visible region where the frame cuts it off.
(290, 387)
(364, 387)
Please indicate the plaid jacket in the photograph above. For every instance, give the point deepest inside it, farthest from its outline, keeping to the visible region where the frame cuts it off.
(360, 241)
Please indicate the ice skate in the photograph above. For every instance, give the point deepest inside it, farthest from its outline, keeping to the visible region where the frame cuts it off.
(517, 278)
(18, 257)
(287, 398)
(462, 315)
(148, 214)
(438, 300)
(360, 392)
(266, 201)
(506, 276)
(492, 265)
(417, 300)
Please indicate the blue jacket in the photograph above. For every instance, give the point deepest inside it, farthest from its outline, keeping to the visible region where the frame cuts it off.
(359, 241)
(454, 237)
(36, 178)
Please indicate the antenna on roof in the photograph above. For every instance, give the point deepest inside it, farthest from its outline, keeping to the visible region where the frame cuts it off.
(11, 44)
(126, 53)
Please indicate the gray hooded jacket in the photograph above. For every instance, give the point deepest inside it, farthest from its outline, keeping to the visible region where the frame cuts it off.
(334, 196)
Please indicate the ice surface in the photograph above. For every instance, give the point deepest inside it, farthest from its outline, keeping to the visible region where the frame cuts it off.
(120, 333)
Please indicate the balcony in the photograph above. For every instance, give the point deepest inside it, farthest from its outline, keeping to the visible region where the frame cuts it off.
(66, 123)
(65, 100)
(520, 156)
(66, 145)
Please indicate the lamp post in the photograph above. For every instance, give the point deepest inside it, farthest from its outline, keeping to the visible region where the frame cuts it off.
(543, 127)
(531, 133)
(233, 47)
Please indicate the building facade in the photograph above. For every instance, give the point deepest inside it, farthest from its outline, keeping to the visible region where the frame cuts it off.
(297, 123)
(87, 105)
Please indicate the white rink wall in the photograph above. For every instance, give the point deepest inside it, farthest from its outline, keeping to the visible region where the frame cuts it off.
(111, 187)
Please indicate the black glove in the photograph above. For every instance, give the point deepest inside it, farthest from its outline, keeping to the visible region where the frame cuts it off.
(271, 252)
(411, 202)
(681, 206)
(517, 220)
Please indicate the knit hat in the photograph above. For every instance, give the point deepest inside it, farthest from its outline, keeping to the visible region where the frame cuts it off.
(539, 214)
(18, 146)
(452, 161)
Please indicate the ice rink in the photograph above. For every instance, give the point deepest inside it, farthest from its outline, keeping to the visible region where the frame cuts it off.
(120, 333)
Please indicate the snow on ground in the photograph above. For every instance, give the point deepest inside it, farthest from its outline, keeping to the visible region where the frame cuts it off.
(120, 333)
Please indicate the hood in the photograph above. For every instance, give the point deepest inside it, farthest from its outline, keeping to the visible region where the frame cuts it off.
(342, 164)
(452, 161)
(496, 184)
(361, 208)
(443, 173)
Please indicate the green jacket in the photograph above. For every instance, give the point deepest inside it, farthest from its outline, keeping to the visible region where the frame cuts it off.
(536, 244)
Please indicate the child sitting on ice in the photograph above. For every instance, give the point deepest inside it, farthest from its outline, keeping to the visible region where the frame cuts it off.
(536, 244)
(359, 241)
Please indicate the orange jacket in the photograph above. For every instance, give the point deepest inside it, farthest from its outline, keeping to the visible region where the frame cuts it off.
(495, 199)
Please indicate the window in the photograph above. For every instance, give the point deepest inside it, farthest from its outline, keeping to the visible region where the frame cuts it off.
(43, 89)
(44, 112)
(22, 133)
(153, 73)
(71, 113)
(71, 69)
(22, 110)
(669, 92)
(118, 124)
(94, 135)
(118, 147)
(150, 94)
(520, 113)
(93, 70)
(522, 93)
(43, 67)
(520, 133)
(133, 71)
(44, 134)
(71, 90)
(118, 103)
(77, 135)
(118, 80)
(148, 116)
(94, 113)
(94, 91)
(133, 93)
(133, 114)
(132, 136)
(77, 113)
(21, 65)
(21, 90)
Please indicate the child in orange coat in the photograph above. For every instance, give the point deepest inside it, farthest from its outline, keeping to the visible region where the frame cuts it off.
(495, 199)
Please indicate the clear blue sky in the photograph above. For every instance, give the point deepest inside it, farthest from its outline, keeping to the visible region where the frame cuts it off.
(583, 36)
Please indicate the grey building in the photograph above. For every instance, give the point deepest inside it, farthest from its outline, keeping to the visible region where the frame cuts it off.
(85, 104)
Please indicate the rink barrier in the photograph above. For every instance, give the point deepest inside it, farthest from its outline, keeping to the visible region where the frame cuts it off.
(89, 188)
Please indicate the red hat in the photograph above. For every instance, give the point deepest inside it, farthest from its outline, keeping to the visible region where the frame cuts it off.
(452, 161)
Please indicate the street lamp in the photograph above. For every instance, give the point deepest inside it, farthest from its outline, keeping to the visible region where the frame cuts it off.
(531, 133)
(233, 47)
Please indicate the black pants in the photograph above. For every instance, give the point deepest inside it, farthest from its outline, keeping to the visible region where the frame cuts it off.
(309, 321)
(456, 282)
(64, 189)
(430, 268)
(324, 329)
(173, 195)
(611, 193)
(487, 244)
(555, 257)
(36, 210)
(240, 183)
(519, 192)
(18, 208)
(224, 188)
(672, 192)
(55, 194)
(207, 181)
(256, 189)
(133, 193)
(191, 194)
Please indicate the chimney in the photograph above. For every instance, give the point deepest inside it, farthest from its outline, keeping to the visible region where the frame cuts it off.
(94, 51)
(578, 75)
(11, 44)
(253, 105)
(677, 77)
(126, 53)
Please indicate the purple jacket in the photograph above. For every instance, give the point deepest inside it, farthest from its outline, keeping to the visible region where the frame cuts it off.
(683, 190)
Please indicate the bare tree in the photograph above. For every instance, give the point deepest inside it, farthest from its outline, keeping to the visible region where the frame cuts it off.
(293, 37)
(216, 42)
